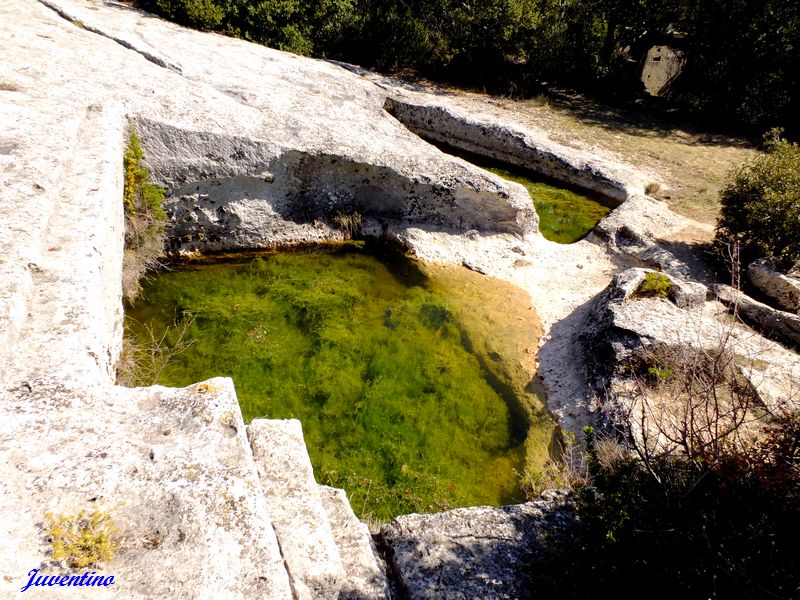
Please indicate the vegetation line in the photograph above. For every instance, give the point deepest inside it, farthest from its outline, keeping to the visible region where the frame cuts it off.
(741, 61)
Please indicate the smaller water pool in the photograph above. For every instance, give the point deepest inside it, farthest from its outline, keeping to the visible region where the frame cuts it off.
(565, 215)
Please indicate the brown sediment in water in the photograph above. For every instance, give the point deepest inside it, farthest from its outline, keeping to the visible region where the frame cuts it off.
(503, 329)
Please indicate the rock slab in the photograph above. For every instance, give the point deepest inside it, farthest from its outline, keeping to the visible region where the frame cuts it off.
(365, 571)
(783, 289)
(475, 553)
(295, 508)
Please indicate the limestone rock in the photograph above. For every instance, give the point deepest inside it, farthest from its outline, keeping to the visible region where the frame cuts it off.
(631, 233)
(784, 289)
(365, 572)
(773, 323)
(270, 142)
(487, 138)
(621, 324)
(295, 507)
(172, 467)
(475, 553)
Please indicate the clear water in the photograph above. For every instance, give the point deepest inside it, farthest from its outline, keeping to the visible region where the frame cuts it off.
(412, 398)
(565, 215)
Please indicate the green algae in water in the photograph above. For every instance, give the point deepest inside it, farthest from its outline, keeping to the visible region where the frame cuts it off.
(565, 216)
(394, 409)
(566, 213)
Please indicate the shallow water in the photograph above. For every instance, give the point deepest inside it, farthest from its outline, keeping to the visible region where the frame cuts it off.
(565, 215)
(411, 386)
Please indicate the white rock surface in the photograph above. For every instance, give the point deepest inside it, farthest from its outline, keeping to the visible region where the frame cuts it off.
(173, 468)
(632, 234)
(365, 572)
(295, 507)
(489, 138)
(776, 324)
(784, 289)
(271, 141)
(621, 322)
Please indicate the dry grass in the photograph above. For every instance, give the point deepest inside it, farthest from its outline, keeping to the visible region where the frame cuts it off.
(142, 363)
(690, 167)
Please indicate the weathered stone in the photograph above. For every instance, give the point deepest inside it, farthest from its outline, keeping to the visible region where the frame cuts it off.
(621, 324)
(295, 507)
(661, 66)
(484, 137)
(172, 467)
(475, 553)
(773, 323)
(784, 289)
(243, 134)
(631, 233)
(365, 572)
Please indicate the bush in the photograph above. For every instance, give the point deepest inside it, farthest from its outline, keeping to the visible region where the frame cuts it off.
(654, 285)
(761, 205)
(700, 501)
(724, 526)
(144, 219)
(82, 540)
(201, 14)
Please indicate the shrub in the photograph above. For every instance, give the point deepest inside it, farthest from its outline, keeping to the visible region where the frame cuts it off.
(201, 14)
(144, 219)
(702, 499)
(83, 539)
(566, 471)
(144, 359)
(654, 285)
(722, 526)
(761, 204)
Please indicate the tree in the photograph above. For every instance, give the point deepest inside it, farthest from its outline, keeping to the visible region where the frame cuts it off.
(761, 204)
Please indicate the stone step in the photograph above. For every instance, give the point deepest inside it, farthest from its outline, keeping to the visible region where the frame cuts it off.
(295, 508)
(173, 469)
(365, 572)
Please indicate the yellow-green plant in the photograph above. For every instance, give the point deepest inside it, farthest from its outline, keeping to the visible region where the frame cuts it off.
(140, 195)
(144, 218)
(654, 285)
(83, 539)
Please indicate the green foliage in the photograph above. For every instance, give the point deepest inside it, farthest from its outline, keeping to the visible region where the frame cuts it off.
(201, 14)
(654, 285)
(140, 196)
(394, 409)
(743, 59)
(81, 540)
(761, 204)
(723, 525)
(144, 218)
(291, 25)
(661, 374)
